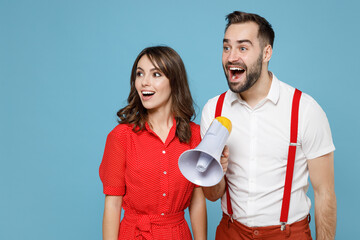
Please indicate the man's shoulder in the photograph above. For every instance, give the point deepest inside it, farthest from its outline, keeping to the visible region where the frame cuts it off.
(213, 101)
(306, 101)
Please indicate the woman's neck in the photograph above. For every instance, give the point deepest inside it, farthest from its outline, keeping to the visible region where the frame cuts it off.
(160, 123)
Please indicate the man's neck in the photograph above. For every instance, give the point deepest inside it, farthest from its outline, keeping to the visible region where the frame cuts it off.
(259, 90)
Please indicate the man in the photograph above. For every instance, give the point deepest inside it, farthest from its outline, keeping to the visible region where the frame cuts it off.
(260, 109)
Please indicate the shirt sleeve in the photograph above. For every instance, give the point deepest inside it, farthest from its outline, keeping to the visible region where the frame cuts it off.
(207, 116)
(316, 134)
(112, 167)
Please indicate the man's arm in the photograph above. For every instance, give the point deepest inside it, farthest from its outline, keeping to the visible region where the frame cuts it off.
(215, 192)
(321, 172)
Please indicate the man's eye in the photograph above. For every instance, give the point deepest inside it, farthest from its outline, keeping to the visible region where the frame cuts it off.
(226, 48)
(243, 49)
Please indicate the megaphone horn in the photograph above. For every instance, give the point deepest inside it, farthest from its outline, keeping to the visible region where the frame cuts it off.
(201, 165)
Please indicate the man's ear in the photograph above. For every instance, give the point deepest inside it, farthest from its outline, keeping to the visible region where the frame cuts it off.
(267, 53)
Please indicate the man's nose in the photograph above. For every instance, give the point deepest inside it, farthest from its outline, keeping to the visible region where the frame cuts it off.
(234, 56)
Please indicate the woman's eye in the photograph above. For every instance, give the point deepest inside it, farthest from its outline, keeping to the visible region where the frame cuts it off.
(139, 74)
(156, 74)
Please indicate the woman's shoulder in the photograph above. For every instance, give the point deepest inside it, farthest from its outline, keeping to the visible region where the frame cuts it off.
(195, 134)
(121, 130)
(194, 127)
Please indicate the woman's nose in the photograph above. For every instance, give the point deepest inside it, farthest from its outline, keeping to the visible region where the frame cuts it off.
(146, 80)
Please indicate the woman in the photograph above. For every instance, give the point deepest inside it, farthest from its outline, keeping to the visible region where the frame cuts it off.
(139, 169)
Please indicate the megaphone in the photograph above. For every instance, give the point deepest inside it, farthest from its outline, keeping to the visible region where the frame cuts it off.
(201, 165)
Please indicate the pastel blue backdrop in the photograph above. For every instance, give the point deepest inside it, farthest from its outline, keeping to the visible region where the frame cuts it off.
(64, 72)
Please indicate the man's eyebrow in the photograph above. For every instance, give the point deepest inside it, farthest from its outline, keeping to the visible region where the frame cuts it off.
(238, 41)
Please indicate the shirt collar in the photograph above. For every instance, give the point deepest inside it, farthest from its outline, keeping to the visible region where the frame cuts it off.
(273, 94)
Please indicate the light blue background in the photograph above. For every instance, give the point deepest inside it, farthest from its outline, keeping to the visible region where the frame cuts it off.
(64, 72)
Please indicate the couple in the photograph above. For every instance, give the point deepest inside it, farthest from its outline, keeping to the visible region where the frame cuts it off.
(278, 133)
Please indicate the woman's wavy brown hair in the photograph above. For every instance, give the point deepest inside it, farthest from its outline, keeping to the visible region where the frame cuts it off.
(169, 63)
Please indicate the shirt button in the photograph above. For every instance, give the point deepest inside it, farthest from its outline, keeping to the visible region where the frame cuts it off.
(162, 214)
(256, 232)
(164, 194)
(163, 152)
(165, 172)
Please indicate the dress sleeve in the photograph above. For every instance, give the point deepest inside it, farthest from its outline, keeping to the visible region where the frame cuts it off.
(112, 167)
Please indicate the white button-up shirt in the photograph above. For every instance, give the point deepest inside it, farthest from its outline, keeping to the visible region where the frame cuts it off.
(258, 146)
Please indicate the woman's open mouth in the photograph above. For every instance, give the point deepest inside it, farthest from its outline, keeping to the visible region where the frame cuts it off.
(147, 94)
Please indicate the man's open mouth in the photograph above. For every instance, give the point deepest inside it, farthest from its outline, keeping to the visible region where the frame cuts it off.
(235, 72)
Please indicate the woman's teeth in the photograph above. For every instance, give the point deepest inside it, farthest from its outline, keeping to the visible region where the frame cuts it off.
(147, 93)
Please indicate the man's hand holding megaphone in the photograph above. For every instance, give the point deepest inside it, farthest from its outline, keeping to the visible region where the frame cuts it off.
(224, 160)
(206, 164)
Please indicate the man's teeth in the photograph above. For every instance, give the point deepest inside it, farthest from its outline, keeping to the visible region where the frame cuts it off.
(236, 68)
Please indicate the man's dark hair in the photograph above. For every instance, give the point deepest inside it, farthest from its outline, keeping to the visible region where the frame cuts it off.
(266, 33)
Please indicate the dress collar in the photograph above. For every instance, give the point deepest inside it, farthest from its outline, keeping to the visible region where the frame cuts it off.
(171, 134)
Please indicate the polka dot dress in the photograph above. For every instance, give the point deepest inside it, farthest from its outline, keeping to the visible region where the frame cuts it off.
(144, 170)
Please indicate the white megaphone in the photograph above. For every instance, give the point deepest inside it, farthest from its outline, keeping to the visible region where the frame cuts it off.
(201, 165)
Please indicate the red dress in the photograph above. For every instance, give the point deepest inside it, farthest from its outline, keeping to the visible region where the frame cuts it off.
(144, 170)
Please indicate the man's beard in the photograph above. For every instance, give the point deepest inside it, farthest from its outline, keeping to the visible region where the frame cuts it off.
(252, 75)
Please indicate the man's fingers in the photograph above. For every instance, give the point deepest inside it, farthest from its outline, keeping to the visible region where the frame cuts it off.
(225, 152)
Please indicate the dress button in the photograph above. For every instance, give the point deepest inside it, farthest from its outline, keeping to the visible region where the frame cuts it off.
(163, 152)
(256, 232)
(164, 194)
(162, 214)
(165, 172)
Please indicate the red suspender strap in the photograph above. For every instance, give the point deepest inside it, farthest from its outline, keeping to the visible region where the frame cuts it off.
(228, 201)
(291, 158)
(219, 105)
(218, 111)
